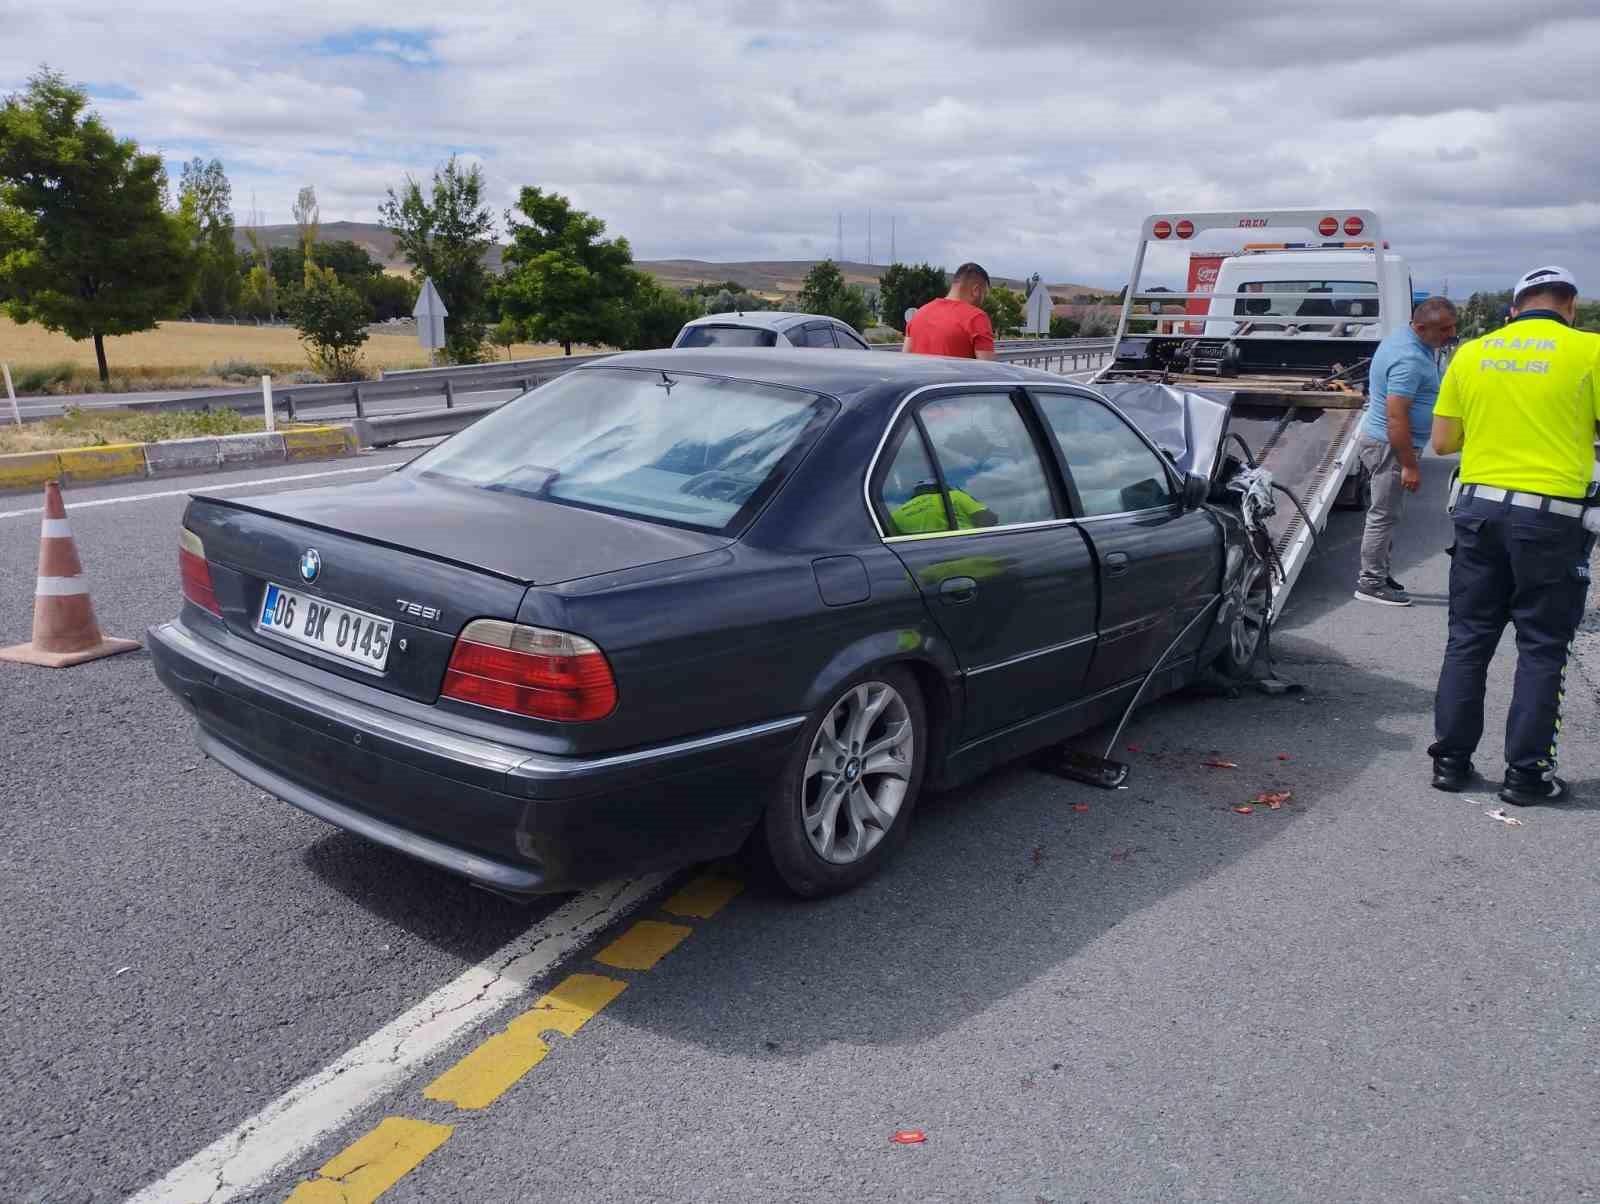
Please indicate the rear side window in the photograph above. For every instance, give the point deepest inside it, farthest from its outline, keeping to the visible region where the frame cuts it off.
(818, 334)
(1114, 470)
(984, 469)
(726, 336)
(697, 451)
(909, 500)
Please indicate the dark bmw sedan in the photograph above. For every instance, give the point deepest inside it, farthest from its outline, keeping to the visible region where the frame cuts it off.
(674, 603)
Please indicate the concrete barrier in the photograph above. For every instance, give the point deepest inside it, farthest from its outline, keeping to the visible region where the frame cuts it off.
(113, 462)
(137, 461)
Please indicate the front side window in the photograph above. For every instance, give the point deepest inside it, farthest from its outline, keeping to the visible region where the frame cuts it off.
(1115, 470)
(696, 451)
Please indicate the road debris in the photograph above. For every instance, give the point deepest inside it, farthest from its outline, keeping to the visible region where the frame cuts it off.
(1080, 806)
(909, 1137)
(1245, 809)
(1134, 748)
(122, 971)
(1274, 799)
(1283, 756)
(1215, 763)
(1511, 821)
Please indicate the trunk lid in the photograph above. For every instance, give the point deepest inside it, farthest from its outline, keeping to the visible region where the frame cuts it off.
(428, 558)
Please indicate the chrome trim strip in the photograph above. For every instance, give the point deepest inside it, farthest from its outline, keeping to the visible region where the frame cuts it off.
(544, 767)
(436, 741)
(1028, 656)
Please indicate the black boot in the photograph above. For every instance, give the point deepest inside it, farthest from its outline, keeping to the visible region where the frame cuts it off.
(1452, 772)
(1528, 789)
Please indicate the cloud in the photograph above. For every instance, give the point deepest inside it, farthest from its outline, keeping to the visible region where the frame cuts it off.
(1031, 135)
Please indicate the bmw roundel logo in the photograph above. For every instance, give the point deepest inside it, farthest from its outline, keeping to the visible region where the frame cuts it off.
(310, 564)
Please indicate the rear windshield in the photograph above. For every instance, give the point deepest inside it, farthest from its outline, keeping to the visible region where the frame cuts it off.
(726, 336)
(693, 451)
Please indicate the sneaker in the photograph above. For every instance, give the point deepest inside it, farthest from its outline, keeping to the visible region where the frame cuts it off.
(1382, 595)
(1452, 773)
(1526, 789)
(1394, 585)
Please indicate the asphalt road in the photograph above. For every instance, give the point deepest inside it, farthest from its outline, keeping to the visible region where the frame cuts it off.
(1374, 993)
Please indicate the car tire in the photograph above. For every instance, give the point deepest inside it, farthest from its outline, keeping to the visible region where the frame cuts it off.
(1249, 621)
(833, 822)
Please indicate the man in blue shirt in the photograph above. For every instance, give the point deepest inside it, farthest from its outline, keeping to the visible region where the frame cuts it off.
(1402, 386)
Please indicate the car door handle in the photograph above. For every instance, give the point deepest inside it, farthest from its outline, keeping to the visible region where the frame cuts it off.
(958, 589)
(1116, 564)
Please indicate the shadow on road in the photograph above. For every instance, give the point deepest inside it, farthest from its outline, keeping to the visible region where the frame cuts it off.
(1004, 880)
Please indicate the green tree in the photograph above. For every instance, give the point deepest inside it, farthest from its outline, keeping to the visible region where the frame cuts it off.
(1063, 327)
(505, 333)
(332, 320)
(443, 234)
(1589, 315)
(87, 244)
(307, 220)
(205, 202)
(389, 296)
(825, 292)
(1482, 313)
(563, 280)
(656, 315)
(258, 294)
(1006, 310)
(906, 286)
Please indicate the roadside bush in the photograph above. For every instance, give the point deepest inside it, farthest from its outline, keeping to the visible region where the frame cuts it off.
(43, 378)
(332, 320)
(242, 370)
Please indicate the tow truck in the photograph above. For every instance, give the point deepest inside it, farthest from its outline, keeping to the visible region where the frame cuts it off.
(1267, 370)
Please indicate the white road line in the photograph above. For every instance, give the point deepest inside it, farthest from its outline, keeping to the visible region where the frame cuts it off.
(242, 1160)
(207, 488)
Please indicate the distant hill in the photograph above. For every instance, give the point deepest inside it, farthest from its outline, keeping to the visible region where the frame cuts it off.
(771, 276)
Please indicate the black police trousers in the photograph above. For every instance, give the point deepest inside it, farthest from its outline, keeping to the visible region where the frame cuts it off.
(1531, 568)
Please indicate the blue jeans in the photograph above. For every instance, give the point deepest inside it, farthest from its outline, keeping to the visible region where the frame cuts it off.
(1531, 569)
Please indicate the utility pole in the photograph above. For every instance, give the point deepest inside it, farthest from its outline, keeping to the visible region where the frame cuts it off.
(892, 259)
(869, 236)
(839, 236)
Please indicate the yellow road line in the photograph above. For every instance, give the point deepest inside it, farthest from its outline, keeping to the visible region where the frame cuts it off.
(481, 1077)
(642, 945)
(373, 1163)
(703, 898)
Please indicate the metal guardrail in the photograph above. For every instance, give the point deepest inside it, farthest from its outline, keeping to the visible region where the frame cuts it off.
(294, 401)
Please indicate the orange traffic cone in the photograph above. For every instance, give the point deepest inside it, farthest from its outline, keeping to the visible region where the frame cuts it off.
(64, 628)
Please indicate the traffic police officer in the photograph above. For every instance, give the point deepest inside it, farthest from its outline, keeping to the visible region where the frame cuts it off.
(1522, 405)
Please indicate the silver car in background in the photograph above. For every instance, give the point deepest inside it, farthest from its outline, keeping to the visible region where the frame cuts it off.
(770, 328)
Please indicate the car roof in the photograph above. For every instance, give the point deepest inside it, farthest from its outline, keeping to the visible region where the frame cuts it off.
(840, 374)
(760, 319)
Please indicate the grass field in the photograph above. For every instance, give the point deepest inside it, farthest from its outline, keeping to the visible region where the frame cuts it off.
(178, 355)
(96, 428)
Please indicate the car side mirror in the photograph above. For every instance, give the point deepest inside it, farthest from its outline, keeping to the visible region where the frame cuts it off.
(1196, 489)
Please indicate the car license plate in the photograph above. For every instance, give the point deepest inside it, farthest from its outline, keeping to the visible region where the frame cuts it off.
(335, 630)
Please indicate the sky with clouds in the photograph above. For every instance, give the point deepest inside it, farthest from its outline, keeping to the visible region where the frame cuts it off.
(1032, 135)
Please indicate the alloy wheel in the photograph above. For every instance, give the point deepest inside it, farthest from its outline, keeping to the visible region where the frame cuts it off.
(858, 772)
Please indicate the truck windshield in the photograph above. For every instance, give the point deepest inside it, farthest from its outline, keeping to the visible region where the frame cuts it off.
(1346, 299)
(694, 451)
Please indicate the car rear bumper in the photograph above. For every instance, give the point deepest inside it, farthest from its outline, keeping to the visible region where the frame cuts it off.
(506, 818)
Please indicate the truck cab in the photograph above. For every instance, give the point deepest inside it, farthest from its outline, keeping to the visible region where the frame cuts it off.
(1331, 291)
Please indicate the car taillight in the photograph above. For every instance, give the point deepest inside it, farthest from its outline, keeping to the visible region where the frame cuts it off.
(530, 671)
(195, 572)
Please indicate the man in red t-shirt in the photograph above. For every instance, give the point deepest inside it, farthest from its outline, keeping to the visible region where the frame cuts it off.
(954, 324)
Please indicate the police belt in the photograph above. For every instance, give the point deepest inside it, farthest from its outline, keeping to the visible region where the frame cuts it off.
(1532, 501)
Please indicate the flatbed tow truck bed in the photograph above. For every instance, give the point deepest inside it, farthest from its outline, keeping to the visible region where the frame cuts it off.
(1295, 397)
